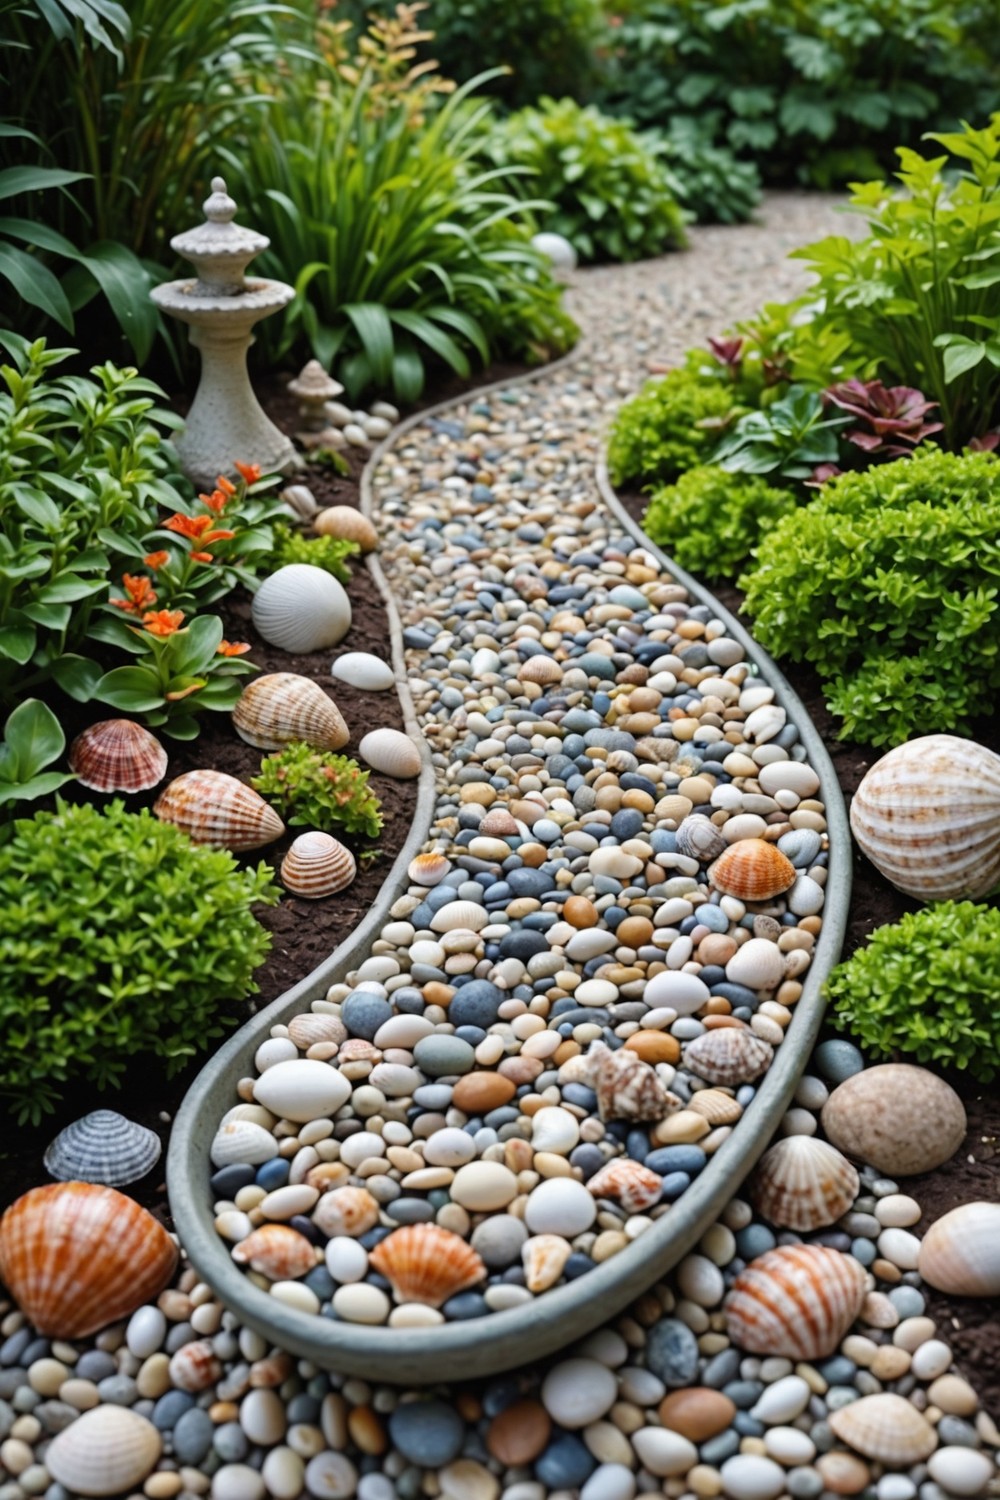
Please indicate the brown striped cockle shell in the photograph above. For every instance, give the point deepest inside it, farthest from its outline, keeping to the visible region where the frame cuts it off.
(108, 1450)
(75, 1257)
(280, 707)
(626, 1087)
(885, 1427)
(117, 756)
(276, 1251)
(316, 865)
(428, 1264)
(728, 1055)
(752, 870)
(346, 522)
(346, 1210)
(213, 808)
(797, 1301)
(803, 1183)
(634, 1186)
(927, 815)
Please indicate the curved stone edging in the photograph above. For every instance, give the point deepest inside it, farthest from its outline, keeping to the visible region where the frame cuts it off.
(565, 1313)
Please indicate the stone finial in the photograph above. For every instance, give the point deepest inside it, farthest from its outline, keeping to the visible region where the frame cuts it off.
(220, 250)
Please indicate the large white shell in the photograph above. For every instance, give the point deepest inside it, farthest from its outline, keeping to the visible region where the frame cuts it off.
(960, 1253)
(803, 1183)
(927, 815)
(106, 1451)
(103, 1147)
(885, 1427)
(303, 1089)
(362, 670)
(301, 608)
(392, 753)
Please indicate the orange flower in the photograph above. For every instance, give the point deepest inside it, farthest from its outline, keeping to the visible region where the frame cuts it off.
(232, 648)
(216, 501)
(249, 472)
(225, 485)
(163, 622)
(202, 557)
(140, 594)
(156, 560)
(197, 528)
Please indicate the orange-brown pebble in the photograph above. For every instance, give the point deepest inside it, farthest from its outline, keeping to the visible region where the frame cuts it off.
(365, 1428)
(843, 1473)
(697, 1412)
(654, 1046)
(436, 993)
(224, 1411)
(717, 948)
(533, 855)
(634, 932)
(579, 912)
(478, 1093)
(469, 1406)
(519, 1434)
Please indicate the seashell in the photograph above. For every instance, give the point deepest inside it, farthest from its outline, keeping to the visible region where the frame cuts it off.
(346, 1210)
(103, 1147)
(797, 1301)
(758, 963)
(357, 1049)
(544, 1257)
(927, 815)
(427, 1264)
(626, 1087)
(344, 521)
(362, 670)
(277, 1251)
(541, 670)
(299, 500)
(460, 916)
(302, 1089)
(283, 706)
(728, 1055)
(885, 1427)
(752, 870)
(635, 1186)
(213, 808)
(242, 1141)
(960, 1253)
(901, 1119)
(118, 756)
(75, 1257)
(698, 838)
(107, 1451)
(195, 1366)
(803, 1183)
(428, 869)
(316, 865)
(716, 1106)
(301, 608)
(309, 1028)
(392, 753)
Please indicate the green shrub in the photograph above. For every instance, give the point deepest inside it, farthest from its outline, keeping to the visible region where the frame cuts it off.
(711, 183)
(926, 987)
(314, 789)
(32, 739)
(709, 521)
(790, 438)
(612, 193)
(670, 426)
(327, 552)
(888, 584)
(117, 936)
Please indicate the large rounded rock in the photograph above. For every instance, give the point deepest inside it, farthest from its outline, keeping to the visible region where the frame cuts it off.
(900, 1119)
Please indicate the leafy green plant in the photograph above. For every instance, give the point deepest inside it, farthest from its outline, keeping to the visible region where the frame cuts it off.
(710, 520)
(118, 936)
(790, 438)
(314, 789)
(888, 583)
(327, 552)
(672, 424)
(924, 987)
(612, 193)
(32, 740)
(712, 185)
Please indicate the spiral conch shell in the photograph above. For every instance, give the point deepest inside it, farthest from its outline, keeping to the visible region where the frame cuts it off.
(427, 1264)
(927, 815)
(797, 1301)
(107, 1451)
(627, 1088)
(213, 808)
(803, 1183)
(76, 1257)
(283, 706)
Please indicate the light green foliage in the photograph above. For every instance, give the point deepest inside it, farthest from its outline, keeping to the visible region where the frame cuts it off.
(32, 740)
(313, 789)
(327, 552)
(613, 194)
(919, 298)
(926, 987)
(710, 520)
(789, 438)
(117, 936)
(888, 584)
(671, 425)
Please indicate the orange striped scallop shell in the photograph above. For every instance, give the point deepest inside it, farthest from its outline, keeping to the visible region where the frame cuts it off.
(427, 1264)
(276, 1251)
(317, 865)
(117, 755)
(797, 1301)
(752, 870)
(634, 1186)
(213, 808)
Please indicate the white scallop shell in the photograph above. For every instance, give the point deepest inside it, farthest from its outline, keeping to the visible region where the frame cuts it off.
(242, 1141)
(317, 865)
(103, 1147)
(803, 1183)
(392, 753)
(362, 670)
(927, 815)
(885, 1427)
(106, 1451)
(960, 1253)
(302, 1090)
(464, 916)
(301, 608)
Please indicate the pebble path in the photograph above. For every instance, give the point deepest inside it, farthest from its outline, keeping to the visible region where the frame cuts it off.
(659, 1401)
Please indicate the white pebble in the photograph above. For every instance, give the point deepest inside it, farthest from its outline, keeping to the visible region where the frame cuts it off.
(361, 1303)
(331, 1476)
(931, 1360)
(609, 1482)
(346, 1259)
(789, 1446)
(578, 1391)
(237, 1482)
(559, 1205)
(901, 1248)
(897, 1211)
(783, 1401)
(748, 1476)
(147, 1328)
(960, 1471)
(664, 1453)
(283, 1473)
(555, 1130)
(262, 1417)
(700, 1280)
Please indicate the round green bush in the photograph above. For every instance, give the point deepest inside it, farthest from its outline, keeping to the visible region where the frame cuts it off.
(710, 520)
(926, 987)
(672, 425)
(118, 935)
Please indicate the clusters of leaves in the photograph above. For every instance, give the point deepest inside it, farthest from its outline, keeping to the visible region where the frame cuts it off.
(672, 424)
(118, 936)
(789, 439)
(710, 520)
(710, 182)
(924, 987)
(892, 421)
(32, 739)
(315, 789)
(611, 191)
(888, 583)
(328, 552)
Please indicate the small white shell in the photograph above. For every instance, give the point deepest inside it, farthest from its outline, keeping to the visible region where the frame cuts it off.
(885, 1427)
(392, 753)
(302, 1090)
(464, 916)
(106, 1451)
(301, 608)
(960, 1253)
(317, 865)
(242, 1141)
(103, 1147)
(802, 1183)
(362, 670)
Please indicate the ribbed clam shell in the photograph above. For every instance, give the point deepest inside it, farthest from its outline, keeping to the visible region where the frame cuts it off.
(698, 838)
(544, 1257)
(283, 706)
(301, 608)
(634, 1186)
(300, 500)
(460, 916)
(107, 1451)
(626, 1087)
(242, 1141)
(927, 815)
(103, 1147)
(541, 670)
(76, 1257)
(344, 521)
(310, 1028)
(803, 1183)
(728, 1055)
(392, 753)
(885, 1427)
(213, 808)
(960, 1253)
(276, 1251)
(346, 1210)
(752, 870)
(428, 869)
(425, 1263)
(716, 1106)
(797, 1301)
(117, 756)
(317, 865)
